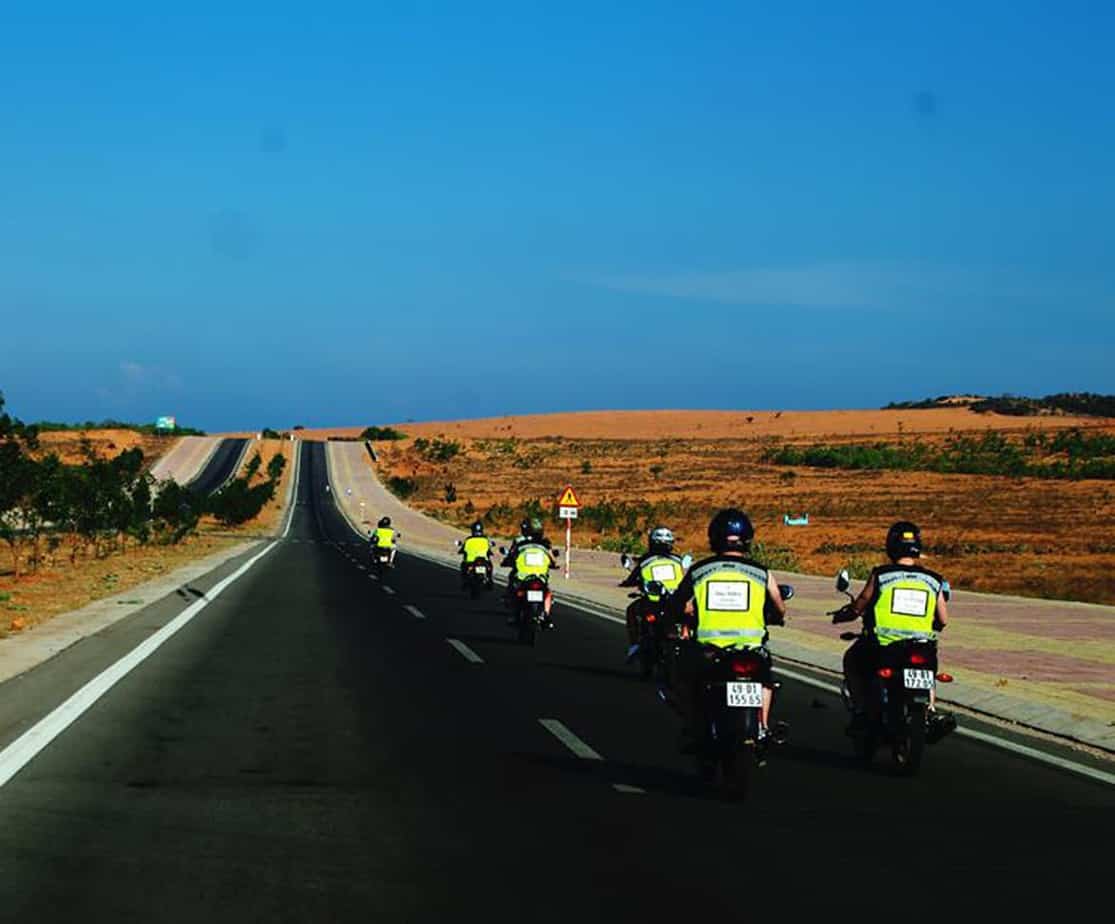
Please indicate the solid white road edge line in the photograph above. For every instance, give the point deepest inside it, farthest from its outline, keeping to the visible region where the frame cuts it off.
(571, 741)
(21, 751)
(1004, 743)
(413, 610)
(466, 652)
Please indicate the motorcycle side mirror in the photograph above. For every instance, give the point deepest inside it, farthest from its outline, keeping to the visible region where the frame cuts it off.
(848, 636)
(843, 581)
(502, 550)
(655, 588)
(787, 591)
(625, 561)
(946, 589)
(686, 561)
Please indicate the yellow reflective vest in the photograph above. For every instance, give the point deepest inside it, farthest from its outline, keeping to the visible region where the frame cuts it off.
(532, 559)
(730, 595)
(666, 569)
(476, 547)
(384, 536)
(905, 603)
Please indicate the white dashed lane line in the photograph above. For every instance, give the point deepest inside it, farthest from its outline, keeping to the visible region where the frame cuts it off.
(571, 741)
(389, 591)
(413, 610)
(466, 652)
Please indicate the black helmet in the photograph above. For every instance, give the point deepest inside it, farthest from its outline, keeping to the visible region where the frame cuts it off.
(478, 528)
(384, 522)
(535, 527)
(730, 529)
(903, 541)
(524, 527)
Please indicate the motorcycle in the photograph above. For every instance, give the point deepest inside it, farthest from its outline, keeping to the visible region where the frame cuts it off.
(529, 605)
(379, 559)
(530, 608)
(900, 690)
(477, 576)
(653, 638)
(729, 710)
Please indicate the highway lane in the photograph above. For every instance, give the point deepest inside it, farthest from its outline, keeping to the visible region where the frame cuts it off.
(312, 748)
(220, 467)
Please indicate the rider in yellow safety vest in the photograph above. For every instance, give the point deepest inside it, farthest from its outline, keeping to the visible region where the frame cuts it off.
(725, 600)
(476, 547)
(530, 556)
(659, 564)
(386, 537)
(900, 601)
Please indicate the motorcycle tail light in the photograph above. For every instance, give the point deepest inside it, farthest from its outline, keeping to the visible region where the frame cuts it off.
(916, 657)
(945, 678)
(744, 668)
(885, 672)
(651, 617)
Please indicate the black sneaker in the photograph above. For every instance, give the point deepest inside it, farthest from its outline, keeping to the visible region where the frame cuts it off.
(940, 724)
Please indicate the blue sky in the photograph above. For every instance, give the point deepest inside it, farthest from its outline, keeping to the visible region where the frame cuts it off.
(353, 213)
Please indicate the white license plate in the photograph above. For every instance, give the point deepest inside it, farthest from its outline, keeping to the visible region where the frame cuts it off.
(480, 569)
(535, 596)
(917, 680)
(745, 694)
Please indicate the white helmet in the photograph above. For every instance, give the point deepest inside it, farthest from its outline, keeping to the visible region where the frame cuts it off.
(661, 536)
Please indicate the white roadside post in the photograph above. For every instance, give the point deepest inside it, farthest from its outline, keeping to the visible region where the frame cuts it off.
(567, 510)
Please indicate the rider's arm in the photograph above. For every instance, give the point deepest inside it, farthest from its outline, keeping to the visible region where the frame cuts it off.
(680, 602)
(774, 596)
(941, 616)
(866, 596)
(634, 579)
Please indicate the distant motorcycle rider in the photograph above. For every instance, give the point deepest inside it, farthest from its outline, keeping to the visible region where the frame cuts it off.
(534, 556)
(899, 601)
(385, 537)
(725, 600)
(476, 547)
(659, 564)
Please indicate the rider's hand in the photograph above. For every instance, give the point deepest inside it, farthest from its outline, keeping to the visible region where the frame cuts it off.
(846, 613)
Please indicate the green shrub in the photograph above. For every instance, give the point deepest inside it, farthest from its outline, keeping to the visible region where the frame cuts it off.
(775, 557)
(382, 433)
(402, 488)
(438, 450)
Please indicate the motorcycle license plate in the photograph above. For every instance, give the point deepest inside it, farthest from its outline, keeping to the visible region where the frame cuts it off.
(745, 694)
(480, 569)
(917, 680)
(535, 596)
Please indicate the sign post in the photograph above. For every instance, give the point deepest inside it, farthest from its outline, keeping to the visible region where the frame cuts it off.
(567, 510)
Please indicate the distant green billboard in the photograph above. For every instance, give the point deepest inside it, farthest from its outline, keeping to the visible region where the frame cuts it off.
(166, 423)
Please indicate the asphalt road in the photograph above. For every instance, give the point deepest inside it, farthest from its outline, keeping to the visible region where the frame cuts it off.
(312, 748)
(220, 467)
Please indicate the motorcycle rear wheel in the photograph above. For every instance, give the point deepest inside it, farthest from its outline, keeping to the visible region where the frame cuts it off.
(527, 626)
(910, 746)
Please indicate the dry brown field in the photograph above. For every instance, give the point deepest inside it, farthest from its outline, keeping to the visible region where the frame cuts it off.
(1044, 538)
(66, 444)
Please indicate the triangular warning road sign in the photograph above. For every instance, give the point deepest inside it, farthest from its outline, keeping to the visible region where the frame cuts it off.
(568, 498)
